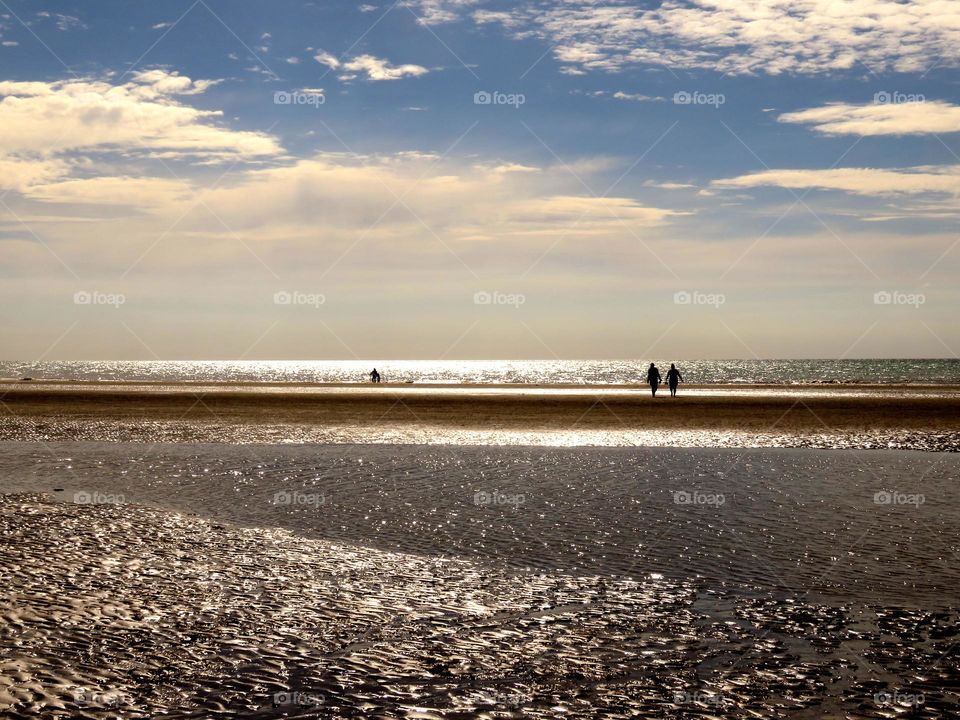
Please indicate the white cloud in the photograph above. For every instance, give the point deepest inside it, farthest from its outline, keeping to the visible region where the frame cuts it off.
(746, 36)
(636, 97)
(431, 12)
(377, 69)
(63, 22)
(54, 130)
(139, 116)
(908, 118)
(325, 58)
(858, 181)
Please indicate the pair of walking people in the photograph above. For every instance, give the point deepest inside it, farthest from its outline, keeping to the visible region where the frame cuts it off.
(673, 378)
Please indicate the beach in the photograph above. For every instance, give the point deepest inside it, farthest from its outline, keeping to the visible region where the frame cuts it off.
(176, 550)
(869, 416)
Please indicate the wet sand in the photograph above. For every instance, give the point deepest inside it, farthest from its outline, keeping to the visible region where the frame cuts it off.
(129, 612)
(920, 417)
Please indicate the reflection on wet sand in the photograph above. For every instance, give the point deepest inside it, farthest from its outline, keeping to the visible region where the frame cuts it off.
(918, 417)
(132, 612)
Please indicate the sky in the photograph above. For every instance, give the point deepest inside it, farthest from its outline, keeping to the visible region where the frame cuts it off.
(230, 179)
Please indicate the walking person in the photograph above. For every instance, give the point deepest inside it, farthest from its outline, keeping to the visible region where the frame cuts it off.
(673, 377)
(375, 376)
(653, 377)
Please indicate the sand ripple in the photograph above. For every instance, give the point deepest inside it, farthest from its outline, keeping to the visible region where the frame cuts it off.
(113, 611)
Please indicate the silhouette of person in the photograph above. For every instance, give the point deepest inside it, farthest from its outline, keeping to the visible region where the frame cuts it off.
(653, 377)
(375, 376)
(673, 377)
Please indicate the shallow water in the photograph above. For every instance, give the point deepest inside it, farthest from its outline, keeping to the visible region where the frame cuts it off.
(879, 525)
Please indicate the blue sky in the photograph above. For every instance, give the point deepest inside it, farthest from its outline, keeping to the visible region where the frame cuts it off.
(692, 178)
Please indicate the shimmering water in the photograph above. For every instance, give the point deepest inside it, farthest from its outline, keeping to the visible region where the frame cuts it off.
(881, 525)
(931, 371)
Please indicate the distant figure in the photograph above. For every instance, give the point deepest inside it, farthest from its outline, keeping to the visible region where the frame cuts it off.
(375, 376)
(653, 377)
(673, 377)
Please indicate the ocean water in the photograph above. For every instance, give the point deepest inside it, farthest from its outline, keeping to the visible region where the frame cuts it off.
(585, 372)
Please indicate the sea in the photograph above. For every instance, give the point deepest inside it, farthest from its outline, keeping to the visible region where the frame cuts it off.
(577, 372)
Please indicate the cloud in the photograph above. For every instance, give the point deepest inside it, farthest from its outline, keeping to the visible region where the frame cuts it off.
(140, 116)
(61, 138)
(391, 198)
(857, 181)
(325, 58)
(668, 185)
(433, 12)
(906, 118)
(635, 97)
(746, 37)
(377, 69)
(63, 22)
